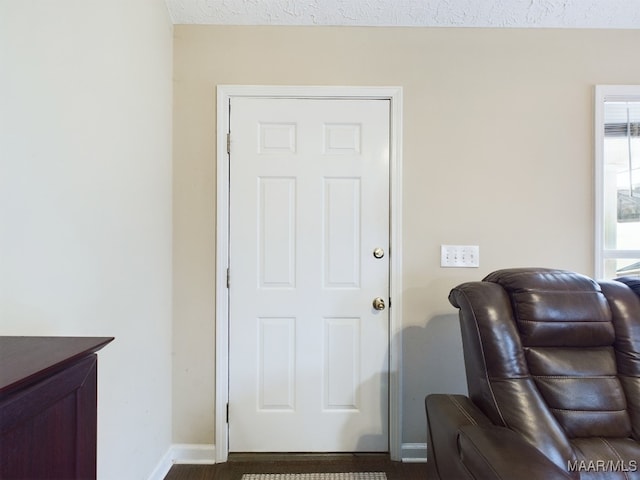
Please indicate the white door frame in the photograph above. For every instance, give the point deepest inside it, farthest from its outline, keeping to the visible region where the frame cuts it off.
(394, 95)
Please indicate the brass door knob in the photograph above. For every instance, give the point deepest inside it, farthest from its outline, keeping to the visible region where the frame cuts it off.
(378, 303)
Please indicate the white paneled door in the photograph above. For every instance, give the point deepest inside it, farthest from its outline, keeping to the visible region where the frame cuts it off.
(309, 256)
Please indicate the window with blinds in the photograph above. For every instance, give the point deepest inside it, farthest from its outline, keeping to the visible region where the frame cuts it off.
(617, 181)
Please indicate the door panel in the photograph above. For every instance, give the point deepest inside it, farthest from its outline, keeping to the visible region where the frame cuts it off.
(309, 202)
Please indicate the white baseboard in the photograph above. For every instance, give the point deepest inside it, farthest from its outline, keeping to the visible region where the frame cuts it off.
(414, 452)
(201, 454)
(195, 454)
(205, 454)
(163, 467)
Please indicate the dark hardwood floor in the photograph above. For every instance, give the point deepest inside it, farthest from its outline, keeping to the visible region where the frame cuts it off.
(240, 464)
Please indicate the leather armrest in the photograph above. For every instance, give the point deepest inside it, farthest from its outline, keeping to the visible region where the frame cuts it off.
(463, 443)
(445, 415)
(455, 410)
(489, 452)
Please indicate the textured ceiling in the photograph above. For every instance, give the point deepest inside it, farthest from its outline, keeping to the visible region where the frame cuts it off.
(428, 13)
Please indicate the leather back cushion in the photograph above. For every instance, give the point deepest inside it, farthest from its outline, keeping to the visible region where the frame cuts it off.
(556, 308)
(568, 337)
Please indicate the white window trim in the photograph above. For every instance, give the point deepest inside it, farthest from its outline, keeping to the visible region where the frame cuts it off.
(604, 93)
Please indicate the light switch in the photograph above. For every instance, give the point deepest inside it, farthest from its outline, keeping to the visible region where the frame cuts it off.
(459, 256)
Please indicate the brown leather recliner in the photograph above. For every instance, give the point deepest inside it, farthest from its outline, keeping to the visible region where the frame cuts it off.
(553, 372)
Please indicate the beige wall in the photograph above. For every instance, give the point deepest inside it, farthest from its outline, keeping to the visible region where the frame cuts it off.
(498, 152)
(85, 203)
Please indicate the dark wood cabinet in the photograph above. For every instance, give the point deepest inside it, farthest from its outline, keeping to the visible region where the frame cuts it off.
(48, 399)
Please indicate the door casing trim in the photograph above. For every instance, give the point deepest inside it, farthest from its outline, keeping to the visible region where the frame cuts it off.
(224, 94)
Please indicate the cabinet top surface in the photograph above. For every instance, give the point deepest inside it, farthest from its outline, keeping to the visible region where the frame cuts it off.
(25, 359)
